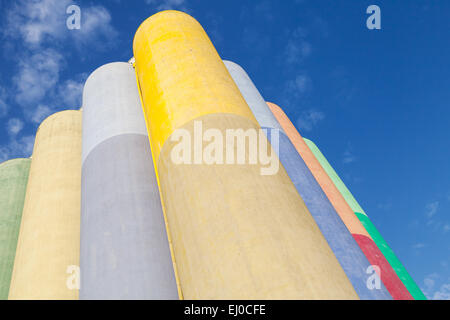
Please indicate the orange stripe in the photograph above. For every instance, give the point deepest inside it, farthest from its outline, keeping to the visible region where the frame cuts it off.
(337, 200)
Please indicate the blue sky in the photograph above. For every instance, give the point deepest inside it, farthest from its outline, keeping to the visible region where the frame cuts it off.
(375, 101)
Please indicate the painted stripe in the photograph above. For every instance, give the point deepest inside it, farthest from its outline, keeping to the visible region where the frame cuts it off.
(235, 233)
(346, 250)
(334, 177)
(388, 275)
(252, 96)
(124, 246)
(394, 286)
(333, 194)
(13, 185)
(49, 238)
(390, 256)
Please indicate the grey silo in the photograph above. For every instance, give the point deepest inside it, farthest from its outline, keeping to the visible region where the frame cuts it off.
(125, 252)
(345, 248)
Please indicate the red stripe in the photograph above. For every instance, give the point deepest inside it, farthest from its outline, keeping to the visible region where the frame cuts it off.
(390, 279)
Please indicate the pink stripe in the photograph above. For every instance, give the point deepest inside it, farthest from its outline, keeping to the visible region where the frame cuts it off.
(390, 279)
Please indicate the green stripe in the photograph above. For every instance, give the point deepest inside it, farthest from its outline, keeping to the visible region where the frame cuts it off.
(334, 176)
(391, 257)
(404, 276)
(13, 184)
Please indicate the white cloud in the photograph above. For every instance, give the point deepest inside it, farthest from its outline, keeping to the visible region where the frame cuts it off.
(433, 293)
(40, 113)
(296, 89)
(43, 22)
(429, 283)
(40, 95)
(38, 29)
(298, 86)
(348, 156)
(38, 74)
(309, 119)
(431, 209)
(168, 4)
(17, 148)
(297, 51)
(418, 246)
(3, 105)
(23, 146)
(432, 221)
(297, 48)
(443, 293)
(4, 154)
(14, 126)
(37, 20)
(96, 28)
(71, 92)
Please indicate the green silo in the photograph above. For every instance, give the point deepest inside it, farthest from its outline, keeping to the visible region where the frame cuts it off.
(13, 185)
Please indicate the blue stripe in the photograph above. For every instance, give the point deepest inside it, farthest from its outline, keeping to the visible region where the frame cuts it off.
(345, 248)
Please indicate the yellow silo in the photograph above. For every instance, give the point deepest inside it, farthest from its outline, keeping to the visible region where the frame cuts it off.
(236, 234)
(47, 257)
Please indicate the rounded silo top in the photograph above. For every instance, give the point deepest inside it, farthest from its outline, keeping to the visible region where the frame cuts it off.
(163, 18)
(111, 105)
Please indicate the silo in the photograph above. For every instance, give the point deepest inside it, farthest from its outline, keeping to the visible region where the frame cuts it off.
(390, 256)
(13, 184)
(236, 233)
(47, 257)
(125, 252)
(388, 276)
(345, 248)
